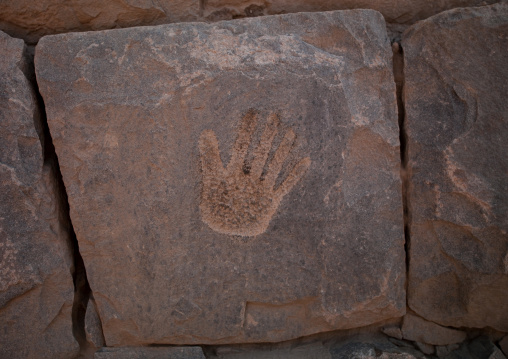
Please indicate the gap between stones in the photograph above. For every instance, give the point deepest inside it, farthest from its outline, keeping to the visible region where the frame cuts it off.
(398, 73)
(82, 289)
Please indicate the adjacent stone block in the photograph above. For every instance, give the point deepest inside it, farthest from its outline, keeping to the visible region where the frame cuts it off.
(455, 96)
(417, 329)
(236, 182)
(36, 290)
(31, 20)
(394, 11)
(93, 326)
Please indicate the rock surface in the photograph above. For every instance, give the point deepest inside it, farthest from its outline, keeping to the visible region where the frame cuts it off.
(236, 182)
(31, 20)
(419, 330)
(457, 124)
(365, 343)
(36, 290)
(314, 350)
(503, 344)
(93, 325)
(150, 353)
(480, 347)
(398, 12)
(373, 350)
(393, 332)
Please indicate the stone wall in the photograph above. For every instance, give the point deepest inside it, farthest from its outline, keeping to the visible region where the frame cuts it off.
(290, 183)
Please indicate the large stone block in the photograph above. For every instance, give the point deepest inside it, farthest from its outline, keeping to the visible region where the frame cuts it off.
(455, 94)
(236, 182)
(394, 11)
(31, 20)
(36, 290)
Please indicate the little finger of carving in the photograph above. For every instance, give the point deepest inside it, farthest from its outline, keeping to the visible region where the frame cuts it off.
(279, 157)
(296, 174)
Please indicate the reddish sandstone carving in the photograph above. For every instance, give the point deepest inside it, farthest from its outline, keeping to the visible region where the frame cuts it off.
(240, 199)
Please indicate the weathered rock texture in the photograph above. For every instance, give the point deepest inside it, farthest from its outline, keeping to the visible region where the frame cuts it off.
(31, 20)
(93, 325)
(399, 12)
(236, 182)
(457, 124)
(417, 329)
(36, 290)
(150, 353)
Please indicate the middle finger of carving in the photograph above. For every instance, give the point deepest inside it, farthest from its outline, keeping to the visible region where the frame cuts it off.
(242, 143)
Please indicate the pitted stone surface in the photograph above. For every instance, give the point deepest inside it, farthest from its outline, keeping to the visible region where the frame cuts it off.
(150, 353)
(160, 133)
(424, 332)
(457, 125)
(31, 20)
(36, 290)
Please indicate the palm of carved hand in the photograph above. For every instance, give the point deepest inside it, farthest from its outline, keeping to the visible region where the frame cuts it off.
(237, 199)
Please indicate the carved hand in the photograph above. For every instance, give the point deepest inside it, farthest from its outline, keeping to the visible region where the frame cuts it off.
(240, 199)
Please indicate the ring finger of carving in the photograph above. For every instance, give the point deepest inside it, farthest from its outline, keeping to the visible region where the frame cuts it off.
(264, 146)
(279, 157)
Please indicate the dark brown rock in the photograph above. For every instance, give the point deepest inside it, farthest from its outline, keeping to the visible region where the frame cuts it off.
(314, 350)
(36, 290)
(393, 332)
(442, 351)
(150, 353)
(93, 325)
(480, 347)
(372, 350)
(425, 348)
(186, 242)
(419, 330)
(457, 124)
(503, 344)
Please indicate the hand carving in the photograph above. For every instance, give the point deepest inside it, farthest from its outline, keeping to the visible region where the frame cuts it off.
(240, 199)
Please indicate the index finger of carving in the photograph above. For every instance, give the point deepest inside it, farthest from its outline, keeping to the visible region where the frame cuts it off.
(264, 146)
(279, 157)
(242, 143)
(209, 150)
(296, 174)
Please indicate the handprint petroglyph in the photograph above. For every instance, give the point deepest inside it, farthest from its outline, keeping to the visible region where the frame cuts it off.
(240, 199)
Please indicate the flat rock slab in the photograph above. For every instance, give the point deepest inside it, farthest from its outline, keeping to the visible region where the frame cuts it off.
(31, 21)
(236, 182)
(36, 289)
(420, 330)
(150, 353)
(314, 350)
(457, 124)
